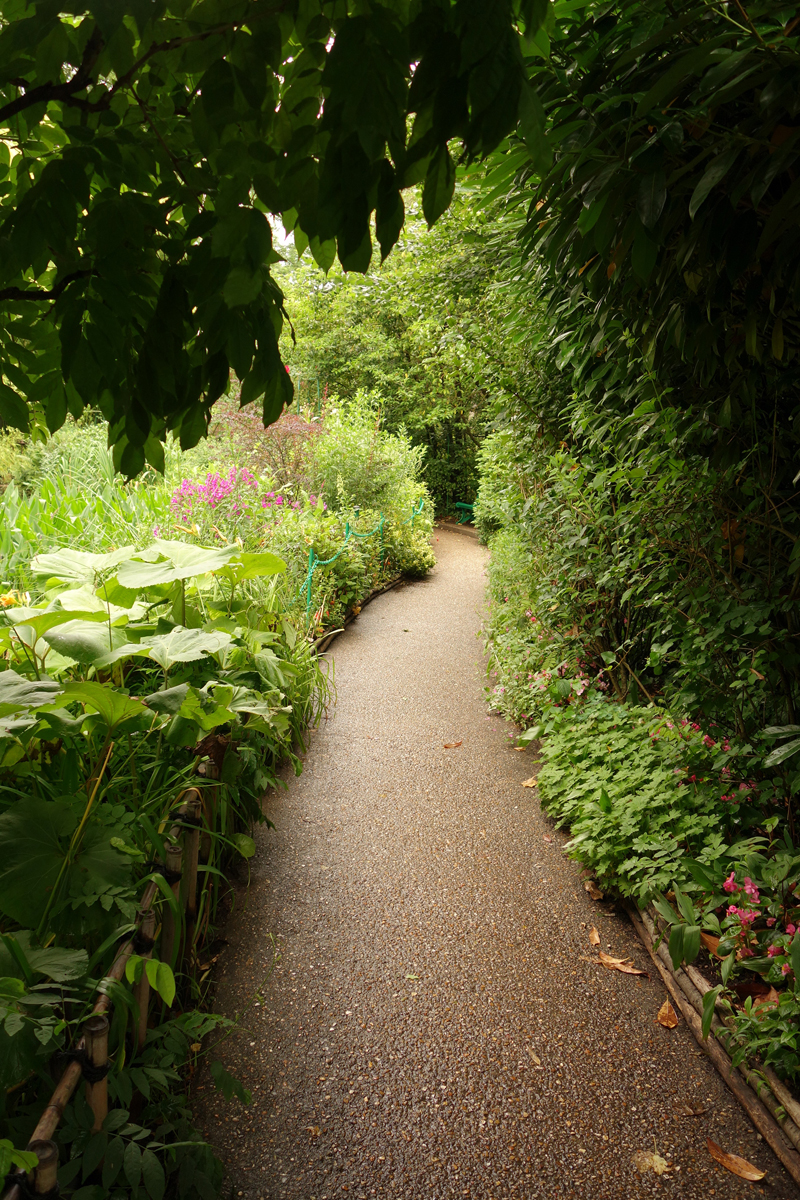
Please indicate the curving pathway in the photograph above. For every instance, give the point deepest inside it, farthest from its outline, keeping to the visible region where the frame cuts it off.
(433, 1028)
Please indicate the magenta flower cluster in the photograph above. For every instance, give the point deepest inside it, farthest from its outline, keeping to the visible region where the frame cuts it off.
(238, 493)
(748, 940)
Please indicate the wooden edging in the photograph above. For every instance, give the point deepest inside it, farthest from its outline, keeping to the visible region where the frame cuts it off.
(93, 1042)
(763, 1106)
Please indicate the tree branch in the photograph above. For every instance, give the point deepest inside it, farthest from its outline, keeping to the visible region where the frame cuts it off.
(15, 293)
(59, 91)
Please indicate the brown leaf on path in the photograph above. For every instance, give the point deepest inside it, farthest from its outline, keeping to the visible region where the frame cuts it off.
(686, 1110)
(619, 964)
(667, 1016)
(710, 942)
(313, 1130)
(649, 1160)
(452, 745)
(546, 837)
(520, 749)
(733, 1163)
(535, 1057)
(591, 887)
(594, 937)
(532, 782)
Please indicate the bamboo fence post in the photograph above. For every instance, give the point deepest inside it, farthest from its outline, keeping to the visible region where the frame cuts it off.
(95, 1033)
(169, 926)
(192, 854)
(44, 1176)
(147, 927)
(755, 1108)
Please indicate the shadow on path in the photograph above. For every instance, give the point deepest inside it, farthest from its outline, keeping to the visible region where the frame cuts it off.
(431, 937)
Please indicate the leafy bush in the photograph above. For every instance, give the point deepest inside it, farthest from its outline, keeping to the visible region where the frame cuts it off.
(356, 463)
(129, 668)
(128, 657)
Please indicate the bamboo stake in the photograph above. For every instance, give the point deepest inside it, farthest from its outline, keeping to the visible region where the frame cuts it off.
(64, 1089)
(753, 1106)
(764, 1082)
(95, 1035)
(169, 926)
(192, 854)
(44, 1176)
(146, 921)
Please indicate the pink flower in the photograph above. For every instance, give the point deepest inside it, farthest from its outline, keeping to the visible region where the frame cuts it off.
(730, 884)
(773, 950)
(791, 928)
(745, 952)
(770, 922)
(785, 969)
(751, 889)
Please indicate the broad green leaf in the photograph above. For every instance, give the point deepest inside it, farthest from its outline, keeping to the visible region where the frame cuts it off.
(781, 753)
(169, 700)
(17, 692)
(176, 560)
(86, 641)
(184, 645)
(113, 706)
(714, 173)
(709, 1001)
(676, 945)
(244, 844)
(153, 1175)
(35, 835)
(651, 198)
(228, 1084)
(439, 185)
(78, 566)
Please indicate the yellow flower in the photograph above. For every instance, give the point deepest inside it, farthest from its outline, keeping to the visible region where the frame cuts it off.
(7, 600)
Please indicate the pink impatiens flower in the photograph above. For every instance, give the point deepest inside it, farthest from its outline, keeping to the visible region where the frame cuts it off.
(751, 889)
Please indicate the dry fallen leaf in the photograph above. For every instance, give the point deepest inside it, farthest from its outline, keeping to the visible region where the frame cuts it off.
(648, 1160)
(520, 749)
(535, 1057)
(594, 937)
(594, 891)
(710, 942)
(734, 1164)
(667, 1016)
(547, 838)
(313, 1130)
(686, 1110)
(619, 964)
(532, 782)
(452, 745)
(771, 997)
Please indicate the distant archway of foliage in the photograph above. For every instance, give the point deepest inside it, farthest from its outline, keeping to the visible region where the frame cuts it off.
(424, 333)
(142, 147)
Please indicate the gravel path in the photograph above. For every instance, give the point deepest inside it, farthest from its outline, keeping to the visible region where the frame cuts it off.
(433, 1027)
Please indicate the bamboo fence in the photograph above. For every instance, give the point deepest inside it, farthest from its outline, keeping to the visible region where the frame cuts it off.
(89, 1056)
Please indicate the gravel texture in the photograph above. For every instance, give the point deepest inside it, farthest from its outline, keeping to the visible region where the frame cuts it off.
(434, 1026)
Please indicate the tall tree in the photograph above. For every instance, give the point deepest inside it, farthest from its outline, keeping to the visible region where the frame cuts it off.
(142, 146)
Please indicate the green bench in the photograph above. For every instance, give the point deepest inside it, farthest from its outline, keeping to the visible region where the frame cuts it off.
(465, 512)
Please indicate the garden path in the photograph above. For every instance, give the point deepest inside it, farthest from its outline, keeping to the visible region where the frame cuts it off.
(434, 1027)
